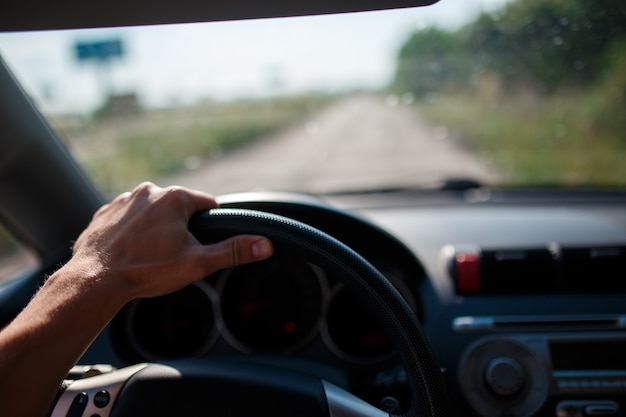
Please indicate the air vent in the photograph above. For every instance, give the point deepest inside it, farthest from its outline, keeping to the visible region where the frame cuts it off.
(600, 268)
(522, 270)
(551, 269)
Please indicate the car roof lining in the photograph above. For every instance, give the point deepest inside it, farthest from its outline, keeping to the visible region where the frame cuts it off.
(72, 14)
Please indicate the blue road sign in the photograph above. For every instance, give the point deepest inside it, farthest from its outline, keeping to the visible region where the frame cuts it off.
(99, 51)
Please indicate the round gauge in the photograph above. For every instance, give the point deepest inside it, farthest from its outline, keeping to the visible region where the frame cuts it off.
(351, 329)
(272, 306)
(177, 325)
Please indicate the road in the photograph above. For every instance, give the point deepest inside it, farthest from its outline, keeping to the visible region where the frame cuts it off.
(359, 142)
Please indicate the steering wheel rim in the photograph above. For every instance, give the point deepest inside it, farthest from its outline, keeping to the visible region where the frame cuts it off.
(394, 314)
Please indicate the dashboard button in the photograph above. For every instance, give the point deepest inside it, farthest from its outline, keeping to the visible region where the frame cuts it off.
(578, 408)
(101, 399)
(78, 405)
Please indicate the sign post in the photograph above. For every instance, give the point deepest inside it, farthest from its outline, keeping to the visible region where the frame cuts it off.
(102, 53)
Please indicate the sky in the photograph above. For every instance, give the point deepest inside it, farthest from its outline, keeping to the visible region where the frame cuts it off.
(183, 64)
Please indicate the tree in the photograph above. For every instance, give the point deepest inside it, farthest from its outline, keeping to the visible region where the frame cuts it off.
(546, 43)
(429, 60)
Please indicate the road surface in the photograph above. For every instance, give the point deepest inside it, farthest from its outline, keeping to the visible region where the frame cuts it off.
(360, 142)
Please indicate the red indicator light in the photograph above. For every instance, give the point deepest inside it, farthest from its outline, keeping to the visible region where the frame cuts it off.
(250, 309)
(290, 327)
(379, 340)
(467, 273)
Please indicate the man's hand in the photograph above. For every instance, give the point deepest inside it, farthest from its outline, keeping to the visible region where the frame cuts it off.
(141, 239)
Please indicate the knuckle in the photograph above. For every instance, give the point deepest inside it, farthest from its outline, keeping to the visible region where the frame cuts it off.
(235, 252)
(175, 197)
(144, 187)
(176, 193)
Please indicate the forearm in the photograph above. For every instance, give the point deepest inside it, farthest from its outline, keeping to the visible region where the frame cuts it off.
(49, 336)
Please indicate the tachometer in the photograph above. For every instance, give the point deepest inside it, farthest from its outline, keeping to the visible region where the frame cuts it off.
(181, 324)
(272, 306)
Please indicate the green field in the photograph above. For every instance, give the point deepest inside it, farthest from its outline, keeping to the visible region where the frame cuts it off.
(120, 152)
(565, 139)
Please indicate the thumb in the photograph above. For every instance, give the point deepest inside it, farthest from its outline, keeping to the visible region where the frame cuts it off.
(237, 250)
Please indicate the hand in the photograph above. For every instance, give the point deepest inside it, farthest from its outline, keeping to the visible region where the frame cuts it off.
(141, 240)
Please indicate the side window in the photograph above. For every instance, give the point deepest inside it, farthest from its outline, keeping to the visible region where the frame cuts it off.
(15, 259)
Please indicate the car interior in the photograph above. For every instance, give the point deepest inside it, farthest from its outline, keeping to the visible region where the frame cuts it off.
(467, 293)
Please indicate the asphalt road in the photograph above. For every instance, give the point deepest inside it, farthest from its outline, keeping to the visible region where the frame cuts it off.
(360, 142)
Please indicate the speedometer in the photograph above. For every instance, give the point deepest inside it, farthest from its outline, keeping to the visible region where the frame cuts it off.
(351, 330)
(272, 306)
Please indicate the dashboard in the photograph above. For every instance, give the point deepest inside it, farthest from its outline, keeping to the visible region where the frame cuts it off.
(521, 294)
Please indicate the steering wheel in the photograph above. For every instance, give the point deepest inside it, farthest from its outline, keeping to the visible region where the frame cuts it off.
(241, 388)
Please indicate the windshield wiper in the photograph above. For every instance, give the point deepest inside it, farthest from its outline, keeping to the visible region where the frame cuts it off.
(445, 184)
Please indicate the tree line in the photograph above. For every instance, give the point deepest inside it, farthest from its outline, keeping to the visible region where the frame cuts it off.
(547, 45)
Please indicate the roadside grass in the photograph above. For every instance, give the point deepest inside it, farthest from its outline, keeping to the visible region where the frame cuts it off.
(120, 152)
(539, 141)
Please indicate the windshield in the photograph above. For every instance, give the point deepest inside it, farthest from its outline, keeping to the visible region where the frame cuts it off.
(506, 93)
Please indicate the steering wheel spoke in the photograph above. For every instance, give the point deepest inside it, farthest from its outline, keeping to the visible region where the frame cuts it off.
(216, 387)
(93, 395)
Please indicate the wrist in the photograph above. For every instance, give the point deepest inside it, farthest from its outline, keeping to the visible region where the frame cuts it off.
(87, 280)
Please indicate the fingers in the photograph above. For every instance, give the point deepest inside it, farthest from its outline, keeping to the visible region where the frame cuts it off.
(144, 234)
(183, 200)
(235, 251)
(188, 200)
(210, 258)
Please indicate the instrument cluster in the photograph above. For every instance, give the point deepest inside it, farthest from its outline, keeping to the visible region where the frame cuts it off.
(278, 306)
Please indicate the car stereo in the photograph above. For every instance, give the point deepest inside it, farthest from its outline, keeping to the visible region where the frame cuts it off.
(564, 374)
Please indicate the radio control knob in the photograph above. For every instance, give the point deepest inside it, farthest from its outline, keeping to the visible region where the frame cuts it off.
(505, 376)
